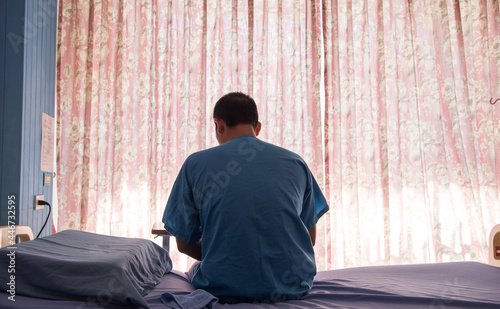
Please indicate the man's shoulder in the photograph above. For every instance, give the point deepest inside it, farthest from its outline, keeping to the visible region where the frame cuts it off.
(245, 145)
(205, 156)
(201, 154)
(284, 151)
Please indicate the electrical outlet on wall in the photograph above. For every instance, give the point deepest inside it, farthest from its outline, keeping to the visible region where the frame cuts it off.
(38, 198)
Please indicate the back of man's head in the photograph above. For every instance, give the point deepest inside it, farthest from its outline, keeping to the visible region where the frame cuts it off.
(236, 108)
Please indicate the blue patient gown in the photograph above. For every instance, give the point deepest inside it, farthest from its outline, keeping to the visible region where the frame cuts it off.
(253, 203)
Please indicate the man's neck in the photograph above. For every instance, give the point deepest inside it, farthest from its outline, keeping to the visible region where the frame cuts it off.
(239, 130)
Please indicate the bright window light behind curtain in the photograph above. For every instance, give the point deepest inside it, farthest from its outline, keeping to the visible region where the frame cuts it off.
(409, 142)
(137, 82)
(412, 142)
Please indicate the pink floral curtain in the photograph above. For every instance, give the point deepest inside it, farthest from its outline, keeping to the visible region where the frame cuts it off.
(412, 141)
(111, 132)
(387, 101)
(137, 82)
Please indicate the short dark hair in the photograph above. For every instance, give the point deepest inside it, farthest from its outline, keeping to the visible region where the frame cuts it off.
(236, 108)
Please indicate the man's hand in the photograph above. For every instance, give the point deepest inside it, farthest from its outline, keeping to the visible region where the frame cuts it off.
(192, 250)
(312, 233)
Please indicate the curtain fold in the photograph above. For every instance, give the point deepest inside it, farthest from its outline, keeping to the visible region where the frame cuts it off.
(137, 82)
(387, 101)
(107, 111)
(411, 147)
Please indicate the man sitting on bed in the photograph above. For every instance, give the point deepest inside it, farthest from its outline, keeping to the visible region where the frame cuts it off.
(247, 210)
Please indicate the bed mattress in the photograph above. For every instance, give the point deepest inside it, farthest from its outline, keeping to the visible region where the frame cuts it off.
(439, 285)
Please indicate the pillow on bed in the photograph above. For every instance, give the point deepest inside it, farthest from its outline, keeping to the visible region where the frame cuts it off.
(87, 267)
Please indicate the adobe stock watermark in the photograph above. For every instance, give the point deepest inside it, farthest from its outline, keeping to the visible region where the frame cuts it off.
(11, 268)
(221, 179)
(115, 286)
(294, 279)
(33, 25)
(448, 295)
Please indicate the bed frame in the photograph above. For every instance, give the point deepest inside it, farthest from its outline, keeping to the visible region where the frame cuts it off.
(7, 232)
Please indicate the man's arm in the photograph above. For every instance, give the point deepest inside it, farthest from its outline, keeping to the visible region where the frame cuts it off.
(312, 233)
(192, 250)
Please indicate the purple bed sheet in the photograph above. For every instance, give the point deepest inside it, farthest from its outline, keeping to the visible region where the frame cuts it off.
(439, 285)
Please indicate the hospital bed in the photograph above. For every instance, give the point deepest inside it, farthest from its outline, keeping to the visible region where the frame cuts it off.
(436, 285)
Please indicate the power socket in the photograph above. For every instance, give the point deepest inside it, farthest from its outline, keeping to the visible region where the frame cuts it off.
(38, 198)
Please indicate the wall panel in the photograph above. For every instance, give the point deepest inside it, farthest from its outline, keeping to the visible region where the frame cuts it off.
(27, 89)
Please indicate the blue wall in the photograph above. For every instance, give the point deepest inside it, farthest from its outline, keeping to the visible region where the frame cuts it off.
(28, 82)
(11, 94)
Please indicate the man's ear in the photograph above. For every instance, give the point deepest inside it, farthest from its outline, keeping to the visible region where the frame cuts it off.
(220, 126)
(257, 128)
